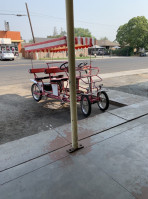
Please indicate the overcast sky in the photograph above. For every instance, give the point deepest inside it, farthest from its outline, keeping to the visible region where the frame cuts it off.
(101, 17)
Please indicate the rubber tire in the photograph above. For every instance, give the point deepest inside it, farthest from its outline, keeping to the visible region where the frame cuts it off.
(89, 105)
(107, 101)
(40, 96)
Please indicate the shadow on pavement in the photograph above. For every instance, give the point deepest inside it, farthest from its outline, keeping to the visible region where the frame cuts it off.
(23, 116)
(140, 89)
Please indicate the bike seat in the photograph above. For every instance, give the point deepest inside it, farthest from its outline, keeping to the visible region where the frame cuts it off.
(59, 79)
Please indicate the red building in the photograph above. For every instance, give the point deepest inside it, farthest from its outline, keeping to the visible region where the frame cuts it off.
(10, 40)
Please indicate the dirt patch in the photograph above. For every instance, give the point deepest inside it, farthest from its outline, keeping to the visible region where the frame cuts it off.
(21, 115)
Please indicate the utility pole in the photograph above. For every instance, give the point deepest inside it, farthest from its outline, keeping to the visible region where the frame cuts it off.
(30, 23)
(72, 76)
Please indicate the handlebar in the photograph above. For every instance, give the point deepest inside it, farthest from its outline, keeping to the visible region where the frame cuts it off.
(80, 65)
(63, 66)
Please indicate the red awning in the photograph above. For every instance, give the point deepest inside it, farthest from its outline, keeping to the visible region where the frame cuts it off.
(60, 44)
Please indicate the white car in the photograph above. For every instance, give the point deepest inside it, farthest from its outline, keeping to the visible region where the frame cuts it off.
(6, 55)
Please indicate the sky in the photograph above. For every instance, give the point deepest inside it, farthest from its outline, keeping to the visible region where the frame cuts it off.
(102, 18)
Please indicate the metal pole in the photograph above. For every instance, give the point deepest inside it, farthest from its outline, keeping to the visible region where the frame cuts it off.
(72, 76)
(30, 23)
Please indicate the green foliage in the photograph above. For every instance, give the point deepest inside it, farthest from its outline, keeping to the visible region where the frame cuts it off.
(56, 34)
(81, 32)
(121, 36)
(31, 41)
(81, 55)
(104, 38)
(63, 33)
(134, 33)
(126, 51)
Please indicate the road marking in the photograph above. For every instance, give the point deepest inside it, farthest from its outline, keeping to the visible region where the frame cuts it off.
(21, 64)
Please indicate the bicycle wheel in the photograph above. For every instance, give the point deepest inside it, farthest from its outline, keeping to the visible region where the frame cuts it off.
(85, 105)
(36, 92)
(103, 102)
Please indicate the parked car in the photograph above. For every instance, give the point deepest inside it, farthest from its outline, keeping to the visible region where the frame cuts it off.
(6, 55)
(142, 54)
(103, 52)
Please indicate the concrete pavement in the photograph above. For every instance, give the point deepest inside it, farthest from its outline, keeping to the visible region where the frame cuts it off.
(124, 73)
(112, 164)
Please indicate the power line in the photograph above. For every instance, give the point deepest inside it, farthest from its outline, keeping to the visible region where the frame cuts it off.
(60, 18)
(34, 14)
(18, 15)
(11, 11)
(6, 14)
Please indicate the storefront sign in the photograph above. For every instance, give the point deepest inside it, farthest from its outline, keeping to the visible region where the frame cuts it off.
(5, 41)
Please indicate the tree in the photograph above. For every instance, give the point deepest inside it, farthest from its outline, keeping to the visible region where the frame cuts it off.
(55, 32)
(63, 32)
(134, 33)
(103, 38)
(81, 32)
(31, 41)
(56, 35)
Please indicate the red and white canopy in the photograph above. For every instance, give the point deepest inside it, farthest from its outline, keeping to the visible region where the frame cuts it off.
(60, 44)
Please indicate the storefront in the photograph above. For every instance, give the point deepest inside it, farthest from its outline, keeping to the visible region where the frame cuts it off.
(8, 45)
(10, 41)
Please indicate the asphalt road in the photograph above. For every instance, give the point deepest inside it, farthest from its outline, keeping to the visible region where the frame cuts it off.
(106, 65)
(17, 71)
(21, 116)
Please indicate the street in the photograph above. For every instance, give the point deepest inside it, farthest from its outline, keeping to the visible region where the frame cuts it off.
(109, 65)
(22, 116)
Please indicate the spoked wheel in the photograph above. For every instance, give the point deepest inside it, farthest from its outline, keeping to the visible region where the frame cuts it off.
(103, 102)
(85, 105)
(36, 92)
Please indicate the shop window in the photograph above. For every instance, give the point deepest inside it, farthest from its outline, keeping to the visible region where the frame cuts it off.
(3, 48)
(13, 49)
(7, 48)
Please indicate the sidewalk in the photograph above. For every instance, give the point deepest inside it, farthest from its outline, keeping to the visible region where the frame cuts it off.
(124, 73)
(112, 164)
